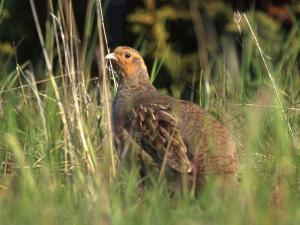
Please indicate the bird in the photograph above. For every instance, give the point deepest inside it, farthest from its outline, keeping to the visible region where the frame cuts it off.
(183, 141)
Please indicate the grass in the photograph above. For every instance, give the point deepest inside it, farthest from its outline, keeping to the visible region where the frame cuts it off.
(57, 165)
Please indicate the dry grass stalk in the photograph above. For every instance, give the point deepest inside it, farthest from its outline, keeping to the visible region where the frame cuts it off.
(105, 91)
(71, 115)
(263, 57)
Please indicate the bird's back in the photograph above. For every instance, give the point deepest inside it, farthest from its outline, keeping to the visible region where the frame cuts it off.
(210, 146)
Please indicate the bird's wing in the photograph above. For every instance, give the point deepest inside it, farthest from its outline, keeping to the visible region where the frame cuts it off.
(157, 128)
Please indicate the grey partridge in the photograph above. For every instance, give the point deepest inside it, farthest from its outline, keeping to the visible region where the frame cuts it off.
(176, 134)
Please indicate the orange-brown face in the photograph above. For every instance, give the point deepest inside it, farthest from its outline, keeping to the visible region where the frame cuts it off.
(129, 62)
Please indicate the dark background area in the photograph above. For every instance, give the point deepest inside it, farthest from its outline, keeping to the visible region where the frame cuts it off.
(18, 27)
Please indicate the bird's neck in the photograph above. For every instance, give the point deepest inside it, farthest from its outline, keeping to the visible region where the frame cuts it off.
(136, 87)
(138, 83)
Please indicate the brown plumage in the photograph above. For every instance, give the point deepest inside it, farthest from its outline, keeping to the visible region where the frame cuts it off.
(177, 135)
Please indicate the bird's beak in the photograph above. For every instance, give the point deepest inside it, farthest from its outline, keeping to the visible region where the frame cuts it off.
(111, 56)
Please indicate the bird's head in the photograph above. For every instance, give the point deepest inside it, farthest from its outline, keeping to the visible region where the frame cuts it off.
(129, 63)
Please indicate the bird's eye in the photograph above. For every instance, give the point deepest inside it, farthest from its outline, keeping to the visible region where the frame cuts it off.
(127, 55)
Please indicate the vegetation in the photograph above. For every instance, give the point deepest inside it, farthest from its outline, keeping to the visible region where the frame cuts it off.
(57, 163)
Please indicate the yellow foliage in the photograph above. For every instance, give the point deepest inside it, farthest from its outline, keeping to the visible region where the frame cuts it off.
(6, 48)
